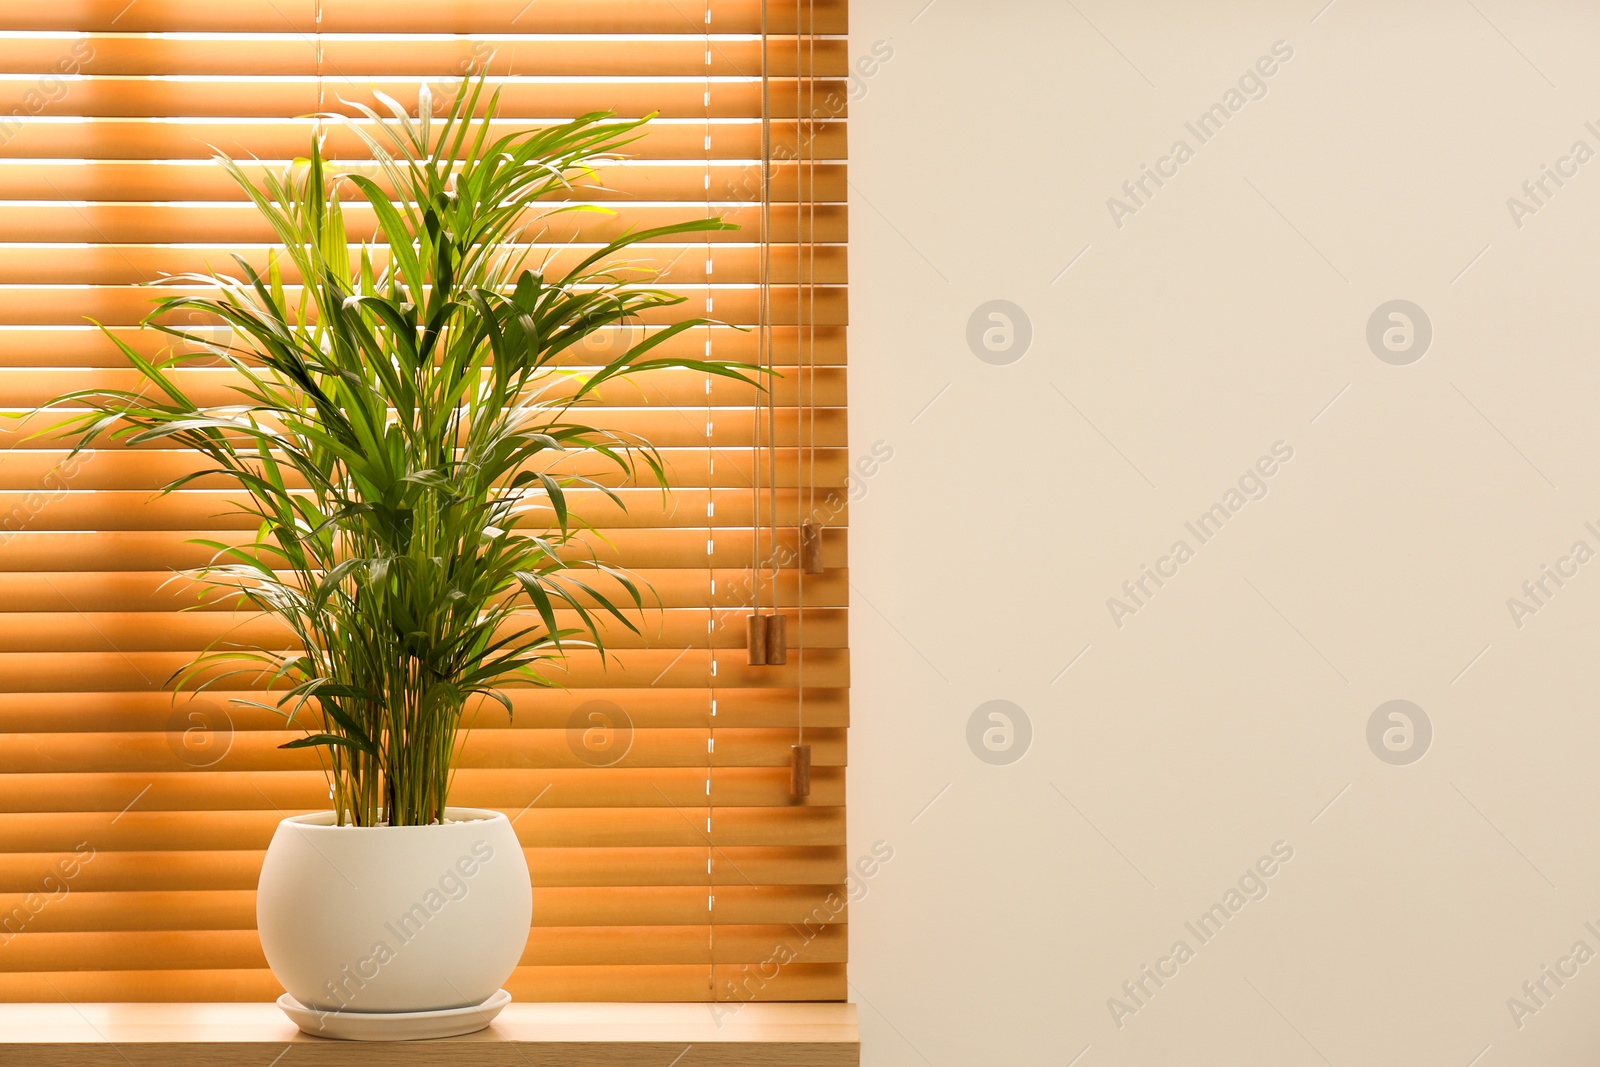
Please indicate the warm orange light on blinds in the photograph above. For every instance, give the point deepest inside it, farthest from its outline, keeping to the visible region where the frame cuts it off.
(129, 850)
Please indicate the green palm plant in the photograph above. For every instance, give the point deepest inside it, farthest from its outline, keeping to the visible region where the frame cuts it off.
(405, 431)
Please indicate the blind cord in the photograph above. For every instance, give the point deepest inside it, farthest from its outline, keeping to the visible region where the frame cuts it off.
(772, 392)
(316, 15)
(763, 302)
(803, 130)
(711, 599)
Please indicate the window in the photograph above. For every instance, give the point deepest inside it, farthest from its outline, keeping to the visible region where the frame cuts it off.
(669, 859)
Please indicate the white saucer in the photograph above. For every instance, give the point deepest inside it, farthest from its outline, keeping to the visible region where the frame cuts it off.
(394, 1025)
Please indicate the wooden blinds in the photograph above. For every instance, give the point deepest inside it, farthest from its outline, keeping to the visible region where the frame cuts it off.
(669, 859)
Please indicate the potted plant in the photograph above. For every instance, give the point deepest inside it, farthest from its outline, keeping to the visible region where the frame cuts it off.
(405, 434)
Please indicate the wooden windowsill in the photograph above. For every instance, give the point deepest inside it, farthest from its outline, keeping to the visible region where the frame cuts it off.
(573, 1035)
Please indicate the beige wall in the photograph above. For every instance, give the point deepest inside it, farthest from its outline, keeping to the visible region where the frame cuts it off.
(1223, 316)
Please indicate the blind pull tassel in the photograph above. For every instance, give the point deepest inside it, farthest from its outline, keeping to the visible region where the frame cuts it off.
(777, 640)
(811, 548)
(755, 638)
(799, 770)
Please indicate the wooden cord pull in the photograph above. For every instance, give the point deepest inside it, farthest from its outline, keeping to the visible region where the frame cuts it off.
(777, 641)
(811, 548)
(755, 636)
(799, 770)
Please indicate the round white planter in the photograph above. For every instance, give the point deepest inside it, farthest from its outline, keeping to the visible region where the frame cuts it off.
(394, 918)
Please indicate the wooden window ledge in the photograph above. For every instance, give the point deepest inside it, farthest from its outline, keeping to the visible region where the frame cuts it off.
(573, 1035)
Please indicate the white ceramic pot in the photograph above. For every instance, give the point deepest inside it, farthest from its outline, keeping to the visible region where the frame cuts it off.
(394, 918)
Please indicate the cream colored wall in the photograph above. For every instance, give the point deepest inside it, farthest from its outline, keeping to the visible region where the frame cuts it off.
(1229, 714)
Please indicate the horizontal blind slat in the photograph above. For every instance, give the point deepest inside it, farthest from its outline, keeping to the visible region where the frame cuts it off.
(146, 849)
(143, 264)
(216, 752)
(152, 550)
(291, 96)
(114, 904)
(156, 631)
(92, 592)
(24, 305)
(80, 346)
(632, 982)
(234, 948)
(118, 223)
(623, 668)
(351, 56)
(688, 468)
(474, 788)
(641, 510)
(123, 710)
(41, 137)
(363, 16)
